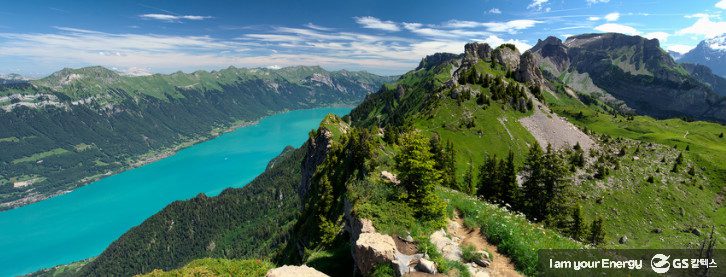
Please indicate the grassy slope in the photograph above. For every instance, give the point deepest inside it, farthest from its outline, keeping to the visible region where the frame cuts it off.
(217, 267)
(635, 208)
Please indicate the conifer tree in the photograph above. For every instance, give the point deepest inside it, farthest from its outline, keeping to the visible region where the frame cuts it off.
(509, 189)
(469, 185)
(597, 233)
(419, 177)
(487, 187)
(577, 229)
(532, 188)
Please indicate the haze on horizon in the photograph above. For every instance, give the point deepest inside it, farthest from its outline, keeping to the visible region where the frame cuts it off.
(141, 37)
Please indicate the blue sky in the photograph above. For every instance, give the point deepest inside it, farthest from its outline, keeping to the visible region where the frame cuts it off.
(385, 37)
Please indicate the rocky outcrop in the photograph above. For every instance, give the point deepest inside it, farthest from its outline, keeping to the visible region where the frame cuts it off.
(553, 51)
(446, 245)
(317, 149)
(507, 56)
(528, 70)
(294, 271)
(373, 249)
(475, 51)
(434, 60)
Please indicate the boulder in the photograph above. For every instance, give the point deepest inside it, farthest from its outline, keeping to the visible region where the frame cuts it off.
(372, 249)
(294, 271)
(446, 246)
(426, 266)
(623, 240)
(483, 262)
(389, 177)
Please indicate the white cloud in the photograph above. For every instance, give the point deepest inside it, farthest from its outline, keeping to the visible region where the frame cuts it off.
(537, 4)
(497, 11)
(680, 48)
(721, 4)
(495, 41)
(593, 18)
(511, 26)
(375, 23)
(597, 1)
(704, 26)
(612, 16)
(173, 18)
(617, 28)
(661, 36)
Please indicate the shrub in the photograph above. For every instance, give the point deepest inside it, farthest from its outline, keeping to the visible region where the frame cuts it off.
(469, 253)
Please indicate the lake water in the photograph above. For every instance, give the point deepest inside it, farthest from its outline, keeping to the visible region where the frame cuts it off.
(81, 224)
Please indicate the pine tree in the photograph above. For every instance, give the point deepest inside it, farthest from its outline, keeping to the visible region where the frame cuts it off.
(419, 177)
(449, 166)
(469, 183)
(720, 135)
(487, 187)
(555, 181)
(533, 188)
(509, 188)
(577, 229)
(597, 233)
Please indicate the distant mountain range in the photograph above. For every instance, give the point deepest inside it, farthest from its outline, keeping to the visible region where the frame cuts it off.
(76, 125)
(632, 74)
(711, 53)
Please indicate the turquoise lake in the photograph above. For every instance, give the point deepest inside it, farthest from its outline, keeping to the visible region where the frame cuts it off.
(82, 223)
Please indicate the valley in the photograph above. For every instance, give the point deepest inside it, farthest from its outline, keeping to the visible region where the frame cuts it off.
(80, 224)
(80, 125)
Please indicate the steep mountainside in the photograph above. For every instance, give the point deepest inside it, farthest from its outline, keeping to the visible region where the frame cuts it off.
(703, 74)
(247, 222)
(711, 53)
(77, 125)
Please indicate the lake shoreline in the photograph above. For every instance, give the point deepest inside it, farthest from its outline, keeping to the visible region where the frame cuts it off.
(151, 157)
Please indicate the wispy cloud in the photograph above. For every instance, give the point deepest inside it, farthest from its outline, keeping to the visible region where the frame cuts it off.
(173, 18)
(511, 26)
(375, 23)
(597, 1)
(721, 4)
(497, 11)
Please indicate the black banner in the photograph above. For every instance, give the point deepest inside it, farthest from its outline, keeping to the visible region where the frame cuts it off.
(632, 262)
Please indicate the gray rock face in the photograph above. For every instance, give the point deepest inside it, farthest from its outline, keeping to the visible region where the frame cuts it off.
(318, 148)
(475, 51)
(553, 50)
(506, 56)
(528, 70)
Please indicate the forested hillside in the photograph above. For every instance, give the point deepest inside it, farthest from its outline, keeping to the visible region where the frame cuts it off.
(78, 125)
